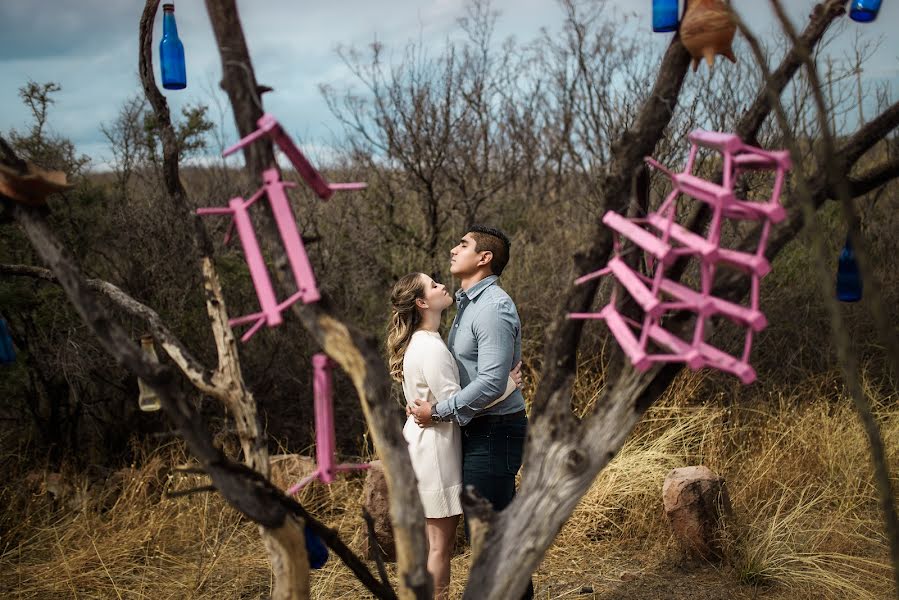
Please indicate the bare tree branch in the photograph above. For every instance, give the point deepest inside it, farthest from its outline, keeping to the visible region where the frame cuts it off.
(848, 362)
(873, 178)
(244, 488)
(823, 15)
(355, 352)
(868, 135)
(569, 456)
(199, 376)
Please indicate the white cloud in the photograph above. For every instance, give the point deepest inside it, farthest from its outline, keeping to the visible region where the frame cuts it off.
(90, 48)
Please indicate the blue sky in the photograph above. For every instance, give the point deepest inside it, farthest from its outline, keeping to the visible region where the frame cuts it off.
(90, 48)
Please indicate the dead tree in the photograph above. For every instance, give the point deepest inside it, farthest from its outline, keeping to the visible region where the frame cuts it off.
(563, 454)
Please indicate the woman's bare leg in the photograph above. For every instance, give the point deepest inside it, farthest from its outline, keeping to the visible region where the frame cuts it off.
(441, 537)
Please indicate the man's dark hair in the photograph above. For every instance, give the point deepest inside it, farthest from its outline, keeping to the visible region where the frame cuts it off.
(494, 240)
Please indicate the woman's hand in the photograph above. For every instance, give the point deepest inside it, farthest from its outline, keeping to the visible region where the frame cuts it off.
(515, 374)
(421, 412)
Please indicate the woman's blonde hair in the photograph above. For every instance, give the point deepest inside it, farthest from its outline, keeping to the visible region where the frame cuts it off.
(404, 320)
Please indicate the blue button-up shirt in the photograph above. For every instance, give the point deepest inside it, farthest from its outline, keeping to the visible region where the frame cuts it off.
(485, 340)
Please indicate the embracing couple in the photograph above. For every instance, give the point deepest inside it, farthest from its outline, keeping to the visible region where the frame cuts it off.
(466, 423)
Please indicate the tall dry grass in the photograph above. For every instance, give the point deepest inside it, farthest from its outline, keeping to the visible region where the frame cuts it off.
(806, 521)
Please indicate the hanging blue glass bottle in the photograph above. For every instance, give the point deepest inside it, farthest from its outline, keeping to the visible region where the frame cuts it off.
(171, 52)
(664, 15)
(849, 278)
(7, 352)
(315, 549)
(864, 11)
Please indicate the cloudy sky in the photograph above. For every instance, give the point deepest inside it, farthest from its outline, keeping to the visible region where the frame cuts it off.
(90, 48)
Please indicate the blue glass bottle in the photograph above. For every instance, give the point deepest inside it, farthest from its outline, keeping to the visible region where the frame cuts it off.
(7, 352)
(864, 11)
(849, 278)
(664, 15)
(171, 52)
(315, 549)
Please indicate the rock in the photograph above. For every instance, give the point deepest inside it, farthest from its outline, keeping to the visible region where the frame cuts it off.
(377, 503)
(58, 490)
(698, 506)
(288, 469)
(56, 486)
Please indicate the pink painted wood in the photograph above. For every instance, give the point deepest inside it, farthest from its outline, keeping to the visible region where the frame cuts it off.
(274, 189)
(268, 125)
(325, 446)
(271, 315)
(290, 236)
(663, 241)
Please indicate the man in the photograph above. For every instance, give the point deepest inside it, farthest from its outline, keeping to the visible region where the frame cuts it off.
(485, 340)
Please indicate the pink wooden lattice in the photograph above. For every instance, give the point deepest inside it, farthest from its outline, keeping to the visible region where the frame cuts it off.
(275, 190)
(663, 241)
(325, 447)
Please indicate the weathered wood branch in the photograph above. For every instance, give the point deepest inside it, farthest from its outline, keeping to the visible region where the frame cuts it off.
(285, 545)
(822, 17)
(563, 336)
(869, 134)
(869, 180)
(356, 353)
(847, 358)
(570, 457)
(199, 376)
(126, 352)
(244, 488)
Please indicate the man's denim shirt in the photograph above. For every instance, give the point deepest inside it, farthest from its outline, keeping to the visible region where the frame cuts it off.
(485, 340)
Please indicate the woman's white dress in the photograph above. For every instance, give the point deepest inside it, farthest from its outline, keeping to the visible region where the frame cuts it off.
(430, 373)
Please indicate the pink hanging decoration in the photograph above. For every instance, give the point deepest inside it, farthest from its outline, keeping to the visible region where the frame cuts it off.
(325, 446)
(268, 125)
(663, 241)
(274, 189)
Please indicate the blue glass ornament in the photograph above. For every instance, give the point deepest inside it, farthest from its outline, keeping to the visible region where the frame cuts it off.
(664, 15)
(864, 11)
(849, 278)
(171, 52)
(316, 549)
(7, 352)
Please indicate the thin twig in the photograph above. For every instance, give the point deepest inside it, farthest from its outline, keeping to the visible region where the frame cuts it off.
(846, 357)
(375, 546)
(192, 491)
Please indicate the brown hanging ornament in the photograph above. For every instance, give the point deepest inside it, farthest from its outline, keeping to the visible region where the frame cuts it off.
(706, 30)
(33, 186)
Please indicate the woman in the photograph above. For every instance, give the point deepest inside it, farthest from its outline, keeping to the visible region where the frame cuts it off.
(420, 360)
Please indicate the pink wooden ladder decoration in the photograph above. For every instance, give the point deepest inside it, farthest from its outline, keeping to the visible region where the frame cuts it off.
(274, 188)
(269, 126)
(663, 241)
(238, 208)
(307, 290)
(325, 447)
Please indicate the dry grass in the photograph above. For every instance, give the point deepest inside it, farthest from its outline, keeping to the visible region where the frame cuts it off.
(806, 518)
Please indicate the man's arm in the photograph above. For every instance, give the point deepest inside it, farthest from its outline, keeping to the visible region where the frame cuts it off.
(495, 330)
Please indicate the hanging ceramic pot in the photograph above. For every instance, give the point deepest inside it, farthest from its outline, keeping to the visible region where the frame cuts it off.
(706, 30)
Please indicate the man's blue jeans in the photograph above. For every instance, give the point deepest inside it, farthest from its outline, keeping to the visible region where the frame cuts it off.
(491, 456)
(492, 448)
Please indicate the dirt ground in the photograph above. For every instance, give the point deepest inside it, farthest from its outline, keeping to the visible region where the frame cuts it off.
(662, 582)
